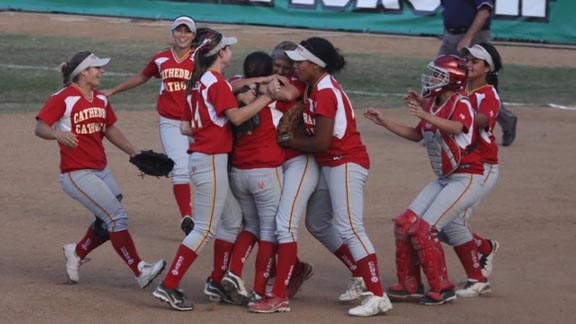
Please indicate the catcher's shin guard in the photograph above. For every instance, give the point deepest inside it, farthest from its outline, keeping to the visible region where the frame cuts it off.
(407, 262)
(425, 241)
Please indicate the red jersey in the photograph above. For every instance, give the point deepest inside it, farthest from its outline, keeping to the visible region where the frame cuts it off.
(485, 100)
(283, 107)
(69, 111)
(301, 86)
(327, 99)
(206, 104)
(175, 73)
(457, 108)
(259, 149)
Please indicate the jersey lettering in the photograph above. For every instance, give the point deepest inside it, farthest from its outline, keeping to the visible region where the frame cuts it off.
(94, 112)
(175, 73)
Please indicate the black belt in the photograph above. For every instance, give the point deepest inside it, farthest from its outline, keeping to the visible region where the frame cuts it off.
(461, 30)
(457, 31)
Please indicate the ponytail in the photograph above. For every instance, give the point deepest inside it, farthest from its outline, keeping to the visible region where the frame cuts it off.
(206, 39)
(492, 79)
(68, 67)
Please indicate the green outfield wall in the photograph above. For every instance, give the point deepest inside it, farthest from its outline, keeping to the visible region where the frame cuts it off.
(538, 21)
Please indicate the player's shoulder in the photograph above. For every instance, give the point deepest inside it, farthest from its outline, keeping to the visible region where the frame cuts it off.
(164, 53)
(236, 78)
(66, 91)
(211, 77)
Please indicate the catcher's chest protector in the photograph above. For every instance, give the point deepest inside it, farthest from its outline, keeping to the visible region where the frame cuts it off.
(443, 151)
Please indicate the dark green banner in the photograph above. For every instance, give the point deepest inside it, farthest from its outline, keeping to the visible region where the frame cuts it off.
(541, 21)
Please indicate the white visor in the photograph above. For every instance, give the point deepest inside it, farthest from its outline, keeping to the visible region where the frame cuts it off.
(91, 61)
(186, 21)
(479, 52)
(226, 41)
(302, 54)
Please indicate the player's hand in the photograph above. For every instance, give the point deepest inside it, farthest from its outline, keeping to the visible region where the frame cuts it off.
(414, 96)
(375, 116)
(66, 138)
(282, 79)
(416, 109)
(107, 92)
(247, 97)
(273, 87)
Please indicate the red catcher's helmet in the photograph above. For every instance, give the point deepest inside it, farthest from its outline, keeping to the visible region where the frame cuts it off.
(448, 72)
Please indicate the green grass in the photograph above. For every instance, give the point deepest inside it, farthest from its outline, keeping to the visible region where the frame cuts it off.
(370, 80)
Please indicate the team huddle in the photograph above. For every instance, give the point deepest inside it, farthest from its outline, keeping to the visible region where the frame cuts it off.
(280, 142)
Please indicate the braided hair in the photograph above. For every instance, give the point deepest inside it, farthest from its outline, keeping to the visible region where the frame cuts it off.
(68, 67)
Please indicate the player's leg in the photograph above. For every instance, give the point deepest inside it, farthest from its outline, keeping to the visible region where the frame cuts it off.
(232, 281)
(230, 226)
(319, 224)
(266, 188)
(346, 186)
(98, 233)
(460, 237)
(459, 192)
(176, 145)
(409, 286)
(301, 175)
(88, 187)
(486, 247)
(212, 187)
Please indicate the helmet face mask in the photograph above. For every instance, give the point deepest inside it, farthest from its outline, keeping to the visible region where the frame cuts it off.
(446, 72)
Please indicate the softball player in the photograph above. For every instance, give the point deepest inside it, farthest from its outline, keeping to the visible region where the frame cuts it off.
(211, 108)
(446, 126)
(301, 174)
(344, 163)
(78, 117)
(174, 66)
(483, 64)
(256, 181)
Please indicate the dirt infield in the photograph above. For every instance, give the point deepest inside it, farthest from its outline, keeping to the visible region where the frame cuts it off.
(530, 211)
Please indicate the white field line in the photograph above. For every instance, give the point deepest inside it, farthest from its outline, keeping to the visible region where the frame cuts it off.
(355, 92)
(46, 68)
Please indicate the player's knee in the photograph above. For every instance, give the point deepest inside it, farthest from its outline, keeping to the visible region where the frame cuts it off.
(402, 224)
(455, 233)
(314, 228)
(118, 222)
(100, 230)
(456, 239)
(180, 176)
(422, 235)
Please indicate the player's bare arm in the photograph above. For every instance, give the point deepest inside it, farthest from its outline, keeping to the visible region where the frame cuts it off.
(237, 116)
(480, 121)
(116, 137)
(446, 125)
(47, 132)
(185, 128)
(241, 82)
(281, 89)
(133, 82)
(319, 141)
(378, 118)
(413, 95)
